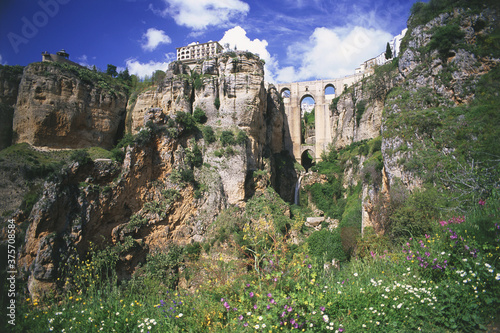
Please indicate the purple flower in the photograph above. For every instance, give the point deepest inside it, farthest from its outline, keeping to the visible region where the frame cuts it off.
(245, 324)
(289, 309)
(269, 295)
(272, 301)
(255, 306)
(322, 308)
(240, 317)
(268, 307)
(251, 294)
(309, 266)
(341, 329)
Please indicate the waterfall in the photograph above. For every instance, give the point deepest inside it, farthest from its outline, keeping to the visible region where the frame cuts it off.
(297, 192)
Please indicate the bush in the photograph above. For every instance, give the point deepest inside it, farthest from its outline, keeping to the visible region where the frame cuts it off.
(227, 138)
(81, 156)
(194, 157)
(199, 115)
(185, 120)
(208, 134)
(217, 103)
(326, 245)
(241, 138)
(444, 38)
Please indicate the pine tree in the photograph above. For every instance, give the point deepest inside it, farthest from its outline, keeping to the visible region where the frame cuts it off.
(388, 52)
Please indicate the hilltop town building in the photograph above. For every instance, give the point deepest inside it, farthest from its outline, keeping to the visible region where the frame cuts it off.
(192, 53)
(379, 60)
(61, 57)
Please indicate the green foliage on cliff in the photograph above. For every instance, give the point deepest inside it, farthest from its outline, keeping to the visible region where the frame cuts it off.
(94, 78)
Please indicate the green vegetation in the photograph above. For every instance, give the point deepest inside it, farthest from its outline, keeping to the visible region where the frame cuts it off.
(199, 115)
(444, 281)
(209, 134)
(227, 138)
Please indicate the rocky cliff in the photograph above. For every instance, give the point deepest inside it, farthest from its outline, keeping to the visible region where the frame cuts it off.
(10, 77)
(173, 181)
(61, 106)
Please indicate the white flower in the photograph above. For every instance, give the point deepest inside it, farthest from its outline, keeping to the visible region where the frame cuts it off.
(263, 325)
(249, 313)
(497, 277)
(260, 318)
(355, 274)
(256, 327)
(180, 314)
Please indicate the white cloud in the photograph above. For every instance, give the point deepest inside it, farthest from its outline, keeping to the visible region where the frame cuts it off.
(237, 36)
(146, 69)
(84, 61)
(332, 53)
(199, 14)
(154, 37)
(1, 61)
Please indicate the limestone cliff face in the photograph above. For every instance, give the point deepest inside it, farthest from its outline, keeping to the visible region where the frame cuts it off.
(10, 77)
(107, 203)
(56, 108)
(230, 90)
(157, 195)
(357, 116)
(448, 81)
(172, 95)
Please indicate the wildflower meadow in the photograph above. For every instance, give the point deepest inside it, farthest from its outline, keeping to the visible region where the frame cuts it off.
(444, 281)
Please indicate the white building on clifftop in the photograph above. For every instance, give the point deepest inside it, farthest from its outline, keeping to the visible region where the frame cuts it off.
(193, 52)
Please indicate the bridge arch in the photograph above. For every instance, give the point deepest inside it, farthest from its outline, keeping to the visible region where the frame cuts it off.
(285, 93)
(308, 157)
(330, 90)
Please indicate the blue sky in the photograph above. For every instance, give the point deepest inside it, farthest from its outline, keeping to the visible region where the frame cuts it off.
(298, 39)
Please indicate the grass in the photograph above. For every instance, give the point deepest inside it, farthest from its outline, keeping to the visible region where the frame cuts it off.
(445, 281)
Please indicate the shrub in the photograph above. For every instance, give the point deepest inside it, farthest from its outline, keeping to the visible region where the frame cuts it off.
(185, 120)
(227, 138)
(194, 157)
(208, 134)
(81, 156)
(326, 245)
(444, 38)
(241, 138)
(199, 115)
(217, 103)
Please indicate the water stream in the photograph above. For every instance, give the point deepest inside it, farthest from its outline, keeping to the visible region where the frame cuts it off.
(296, 200)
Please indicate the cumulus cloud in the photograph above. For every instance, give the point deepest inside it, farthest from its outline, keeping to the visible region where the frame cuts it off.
(237, 37)
(154, 37)
(332, 53)
(199, 14)
(143, 69)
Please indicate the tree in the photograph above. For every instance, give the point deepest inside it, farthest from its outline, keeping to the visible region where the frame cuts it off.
(388, 52)
(199, 115)
(111, 70)
(158, 77)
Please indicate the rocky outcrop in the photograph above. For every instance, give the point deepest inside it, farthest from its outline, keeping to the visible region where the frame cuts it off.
(10, 77)
(172, 95)
(59, 109)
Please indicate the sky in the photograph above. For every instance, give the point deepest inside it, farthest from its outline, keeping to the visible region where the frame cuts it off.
(299, 40)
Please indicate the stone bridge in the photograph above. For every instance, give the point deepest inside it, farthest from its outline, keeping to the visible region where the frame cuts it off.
(323, 92)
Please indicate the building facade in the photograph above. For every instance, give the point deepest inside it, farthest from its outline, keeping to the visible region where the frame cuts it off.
(194, 52)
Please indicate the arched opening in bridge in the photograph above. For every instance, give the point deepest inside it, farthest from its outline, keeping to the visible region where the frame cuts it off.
(330, 91)
(307, 159)
(285, 94)
(307, 121)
